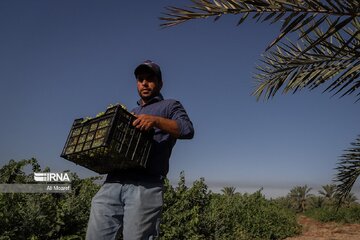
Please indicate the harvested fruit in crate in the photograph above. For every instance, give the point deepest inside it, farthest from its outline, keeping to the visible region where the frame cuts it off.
(108, 142)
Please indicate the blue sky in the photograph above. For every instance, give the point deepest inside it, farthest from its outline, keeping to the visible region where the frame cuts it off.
(62, 60)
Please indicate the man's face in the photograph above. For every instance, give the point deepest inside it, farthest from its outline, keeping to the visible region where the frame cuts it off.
(148, 85)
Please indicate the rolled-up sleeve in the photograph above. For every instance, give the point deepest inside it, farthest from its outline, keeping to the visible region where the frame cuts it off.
(178, 113)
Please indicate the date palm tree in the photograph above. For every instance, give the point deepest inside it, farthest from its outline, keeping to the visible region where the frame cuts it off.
(299, 197)
(228, 191)
(349, 200)
(326, 51)
(328, 191)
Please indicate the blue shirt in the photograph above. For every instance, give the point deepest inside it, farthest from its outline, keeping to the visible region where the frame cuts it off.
(158, 162)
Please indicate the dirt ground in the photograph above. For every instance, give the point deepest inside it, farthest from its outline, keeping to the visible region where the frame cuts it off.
(314, 230)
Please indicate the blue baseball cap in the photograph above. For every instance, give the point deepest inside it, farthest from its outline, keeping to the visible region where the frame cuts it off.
(149, 65)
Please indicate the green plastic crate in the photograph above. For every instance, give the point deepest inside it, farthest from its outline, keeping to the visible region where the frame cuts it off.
(108, 143)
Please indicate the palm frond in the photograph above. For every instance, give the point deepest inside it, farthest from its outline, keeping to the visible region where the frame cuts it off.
(329, 31)
(348, 170)
(294, 14)
(294, 67)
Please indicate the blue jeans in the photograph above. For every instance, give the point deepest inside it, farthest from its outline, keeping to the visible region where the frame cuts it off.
(133, 207)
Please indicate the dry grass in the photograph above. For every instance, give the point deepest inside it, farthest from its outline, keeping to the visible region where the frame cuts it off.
(314, 230)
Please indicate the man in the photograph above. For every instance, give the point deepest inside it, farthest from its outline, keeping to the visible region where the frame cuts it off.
(131, 200)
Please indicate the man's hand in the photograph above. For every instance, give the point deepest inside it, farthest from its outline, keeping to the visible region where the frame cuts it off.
(145, 122)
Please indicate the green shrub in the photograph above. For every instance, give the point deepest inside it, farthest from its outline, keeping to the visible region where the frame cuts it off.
(331, 214)
(189, 213)
(195, 213)
(252, 216)
(184, 211)
(44, 215)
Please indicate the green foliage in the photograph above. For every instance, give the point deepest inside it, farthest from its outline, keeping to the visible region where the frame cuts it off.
(13, 171)
(347, 212)
(223, 217)
(328, 194)
(228, 191)
(250, 217)
(348, 169)
(343, 215)
(325, 207)
(184, 210)
(195, 213)
(190, 212)
(43, 215)
(299, 198)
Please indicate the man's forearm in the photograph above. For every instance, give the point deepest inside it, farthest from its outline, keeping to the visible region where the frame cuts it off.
(168, 125)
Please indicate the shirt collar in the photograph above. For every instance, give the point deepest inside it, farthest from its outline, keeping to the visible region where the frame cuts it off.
(157, 98)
